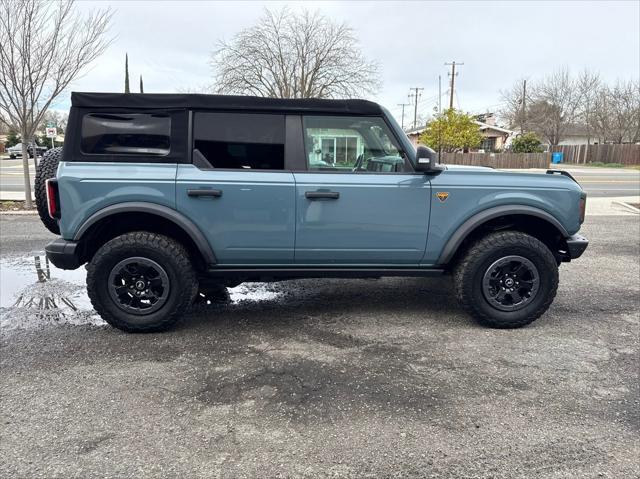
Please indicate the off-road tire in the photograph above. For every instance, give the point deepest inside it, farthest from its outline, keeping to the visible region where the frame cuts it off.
(46, 169)
(469, 271)
(169, 254)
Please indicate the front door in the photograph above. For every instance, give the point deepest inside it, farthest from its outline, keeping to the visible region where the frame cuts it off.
(365, 208)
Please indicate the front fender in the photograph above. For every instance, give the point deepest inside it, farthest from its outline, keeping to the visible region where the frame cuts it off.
(451, 246)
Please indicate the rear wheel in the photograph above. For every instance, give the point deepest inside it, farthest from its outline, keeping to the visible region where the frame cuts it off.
(507, 279)
(141, 282)
(47, 169)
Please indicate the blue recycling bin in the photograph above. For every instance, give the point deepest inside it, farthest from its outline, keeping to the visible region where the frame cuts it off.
(556, 157)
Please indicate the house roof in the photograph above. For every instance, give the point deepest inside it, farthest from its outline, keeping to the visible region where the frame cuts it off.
(221, 102)
(483, 127)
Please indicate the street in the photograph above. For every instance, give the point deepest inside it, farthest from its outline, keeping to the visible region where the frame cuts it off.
(597, 182)
(12, 176)
(323, 378)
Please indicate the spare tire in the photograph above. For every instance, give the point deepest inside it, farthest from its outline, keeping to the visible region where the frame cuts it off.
(46, 169)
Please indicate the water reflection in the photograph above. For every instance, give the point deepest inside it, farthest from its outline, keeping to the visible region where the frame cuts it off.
(55, 296)
(50, 299)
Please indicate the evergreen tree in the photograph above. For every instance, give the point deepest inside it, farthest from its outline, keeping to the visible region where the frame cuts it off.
(126, 73)
(141, 85)
(452, 131)
(12, 139)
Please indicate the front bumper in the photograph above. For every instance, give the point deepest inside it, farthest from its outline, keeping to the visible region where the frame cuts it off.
(576, 245)
(63, 254)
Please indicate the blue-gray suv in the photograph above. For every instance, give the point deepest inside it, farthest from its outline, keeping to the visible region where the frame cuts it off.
(166, 195)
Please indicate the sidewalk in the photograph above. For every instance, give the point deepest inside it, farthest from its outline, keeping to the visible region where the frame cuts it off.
(14, 195)
(611, 206)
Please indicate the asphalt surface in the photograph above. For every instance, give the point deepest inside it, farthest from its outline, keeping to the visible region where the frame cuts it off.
(606, 182)
(597, 182)
(335, 378)
(12, 176)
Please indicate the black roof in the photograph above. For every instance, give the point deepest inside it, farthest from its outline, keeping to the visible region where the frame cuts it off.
(221, 102)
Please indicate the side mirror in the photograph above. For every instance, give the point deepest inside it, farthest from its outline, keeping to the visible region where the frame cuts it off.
(427, 160)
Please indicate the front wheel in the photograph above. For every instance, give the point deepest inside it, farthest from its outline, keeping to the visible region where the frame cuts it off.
(507, 279)
(141, 282)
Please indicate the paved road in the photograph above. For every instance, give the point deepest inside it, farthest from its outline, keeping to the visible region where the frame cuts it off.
(12, 176)
(605, 182)
(333, 378)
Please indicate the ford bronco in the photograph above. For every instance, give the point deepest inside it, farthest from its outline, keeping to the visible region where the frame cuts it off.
(166, 195)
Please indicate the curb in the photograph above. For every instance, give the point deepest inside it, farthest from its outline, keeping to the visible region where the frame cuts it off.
(627, 206)
(19, 213)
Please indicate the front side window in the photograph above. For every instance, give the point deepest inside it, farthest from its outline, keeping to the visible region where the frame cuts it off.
(340, 143)
(240, 140)
(126, 134)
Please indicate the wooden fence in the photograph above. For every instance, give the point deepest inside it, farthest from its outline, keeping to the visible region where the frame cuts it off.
(498, 160)
(584, 154)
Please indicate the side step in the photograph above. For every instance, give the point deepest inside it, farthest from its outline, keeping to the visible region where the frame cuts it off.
(263, 274)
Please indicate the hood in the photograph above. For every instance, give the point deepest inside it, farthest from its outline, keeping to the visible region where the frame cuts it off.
(466, 167)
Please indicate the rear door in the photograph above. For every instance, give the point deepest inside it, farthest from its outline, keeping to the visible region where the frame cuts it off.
(237, 189)
(359, 202)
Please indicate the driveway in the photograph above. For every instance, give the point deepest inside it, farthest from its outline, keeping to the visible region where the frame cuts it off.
(332, 378)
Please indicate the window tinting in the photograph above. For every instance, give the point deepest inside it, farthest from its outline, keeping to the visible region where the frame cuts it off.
(126, 134)
(351, 144)
(240, 140)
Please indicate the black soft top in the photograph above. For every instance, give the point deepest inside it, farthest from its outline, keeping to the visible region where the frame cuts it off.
(221, 102)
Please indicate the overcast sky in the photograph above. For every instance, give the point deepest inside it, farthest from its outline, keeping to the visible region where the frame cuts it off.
(169, 44)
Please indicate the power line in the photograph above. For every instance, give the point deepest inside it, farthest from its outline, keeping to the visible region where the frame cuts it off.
(453, 81)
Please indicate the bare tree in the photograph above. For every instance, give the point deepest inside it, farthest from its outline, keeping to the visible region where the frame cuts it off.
(513, 105)
(562, 97)
(294, 55)
(615, 115)
(43, 47)
(624, 112)
(589, 85)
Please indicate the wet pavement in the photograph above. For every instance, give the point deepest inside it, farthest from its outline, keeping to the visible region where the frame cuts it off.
(35, 293)
(323, 378)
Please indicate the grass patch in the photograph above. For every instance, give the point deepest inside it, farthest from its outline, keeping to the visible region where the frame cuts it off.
(600, 164)
(14, 206)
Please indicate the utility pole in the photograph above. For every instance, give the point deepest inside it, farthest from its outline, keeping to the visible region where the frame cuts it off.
(403, 105)
(415, 96)
(439, 94)
(524, 106)
(439, 114)
(453, 81)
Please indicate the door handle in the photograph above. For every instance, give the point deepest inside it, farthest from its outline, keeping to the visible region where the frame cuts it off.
(318, 195)
(203, 192)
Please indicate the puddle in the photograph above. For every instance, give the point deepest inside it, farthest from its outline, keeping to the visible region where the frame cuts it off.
(33, 292)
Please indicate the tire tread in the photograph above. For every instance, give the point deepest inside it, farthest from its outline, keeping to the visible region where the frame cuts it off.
(464, 271)
(187, 289)
(47, 168)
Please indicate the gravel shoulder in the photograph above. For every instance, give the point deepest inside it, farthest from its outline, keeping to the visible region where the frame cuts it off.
(337, 378)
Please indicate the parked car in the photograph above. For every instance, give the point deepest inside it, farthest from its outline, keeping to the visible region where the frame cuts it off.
(16, 151)
(165, 195)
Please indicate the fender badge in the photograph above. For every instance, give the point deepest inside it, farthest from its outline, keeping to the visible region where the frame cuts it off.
(442, 196)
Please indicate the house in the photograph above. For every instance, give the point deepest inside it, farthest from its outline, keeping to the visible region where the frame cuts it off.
(494, 138)
(577, 134)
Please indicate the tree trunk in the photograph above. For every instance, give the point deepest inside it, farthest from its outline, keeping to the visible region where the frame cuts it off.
(25, 169)
(35, 152)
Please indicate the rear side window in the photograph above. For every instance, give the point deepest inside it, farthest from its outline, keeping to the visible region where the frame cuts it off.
(126, 134)
(240, 140)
